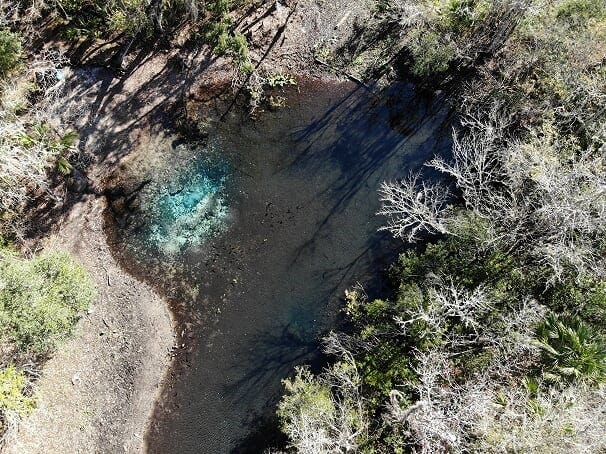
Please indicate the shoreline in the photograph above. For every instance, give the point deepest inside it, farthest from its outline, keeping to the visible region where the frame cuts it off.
(98, 392)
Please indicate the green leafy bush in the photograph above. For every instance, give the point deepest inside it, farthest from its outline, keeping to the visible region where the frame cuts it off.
(318, 419)
(41, 299)
(280, 80)
(219, 7)
(12, 397)
(10, 51)
(86, 18)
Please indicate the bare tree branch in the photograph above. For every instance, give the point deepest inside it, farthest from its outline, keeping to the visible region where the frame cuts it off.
(413, 206)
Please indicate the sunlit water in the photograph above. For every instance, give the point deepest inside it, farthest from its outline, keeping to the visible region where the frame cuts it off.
(192, 208)
(254, 235)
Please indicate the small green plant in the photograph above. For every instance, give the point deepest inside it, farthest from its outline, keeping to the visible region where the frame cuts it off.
(277, 101)
(247, 68)
(571, 349)
(63, 166)
(66, 143)
(280, 80)
(89, 19)
(324, 54)
(219, 7)
(532, 385)
(12, 397)
(10, 51)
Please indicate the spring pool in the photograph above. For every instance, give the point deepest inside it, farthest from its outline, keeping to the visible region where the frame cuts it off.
(253, 235)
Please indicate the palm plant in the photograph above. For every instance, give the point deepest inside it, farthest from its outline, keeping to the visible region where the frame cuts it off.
(571, 349)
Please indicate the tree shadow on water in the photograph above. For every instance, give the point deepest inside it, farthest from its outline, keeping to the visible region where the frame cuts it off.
(272, 358)
(367, 141)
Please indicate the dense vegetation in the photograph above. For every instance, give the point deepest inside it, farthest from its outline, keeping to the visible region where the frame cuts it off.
(495, 338)
(42, 297)
(40, 301)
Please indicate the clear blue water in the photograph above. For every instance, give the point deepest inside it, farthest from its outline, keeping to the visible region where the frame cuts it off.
(255, 246)
(190, 209)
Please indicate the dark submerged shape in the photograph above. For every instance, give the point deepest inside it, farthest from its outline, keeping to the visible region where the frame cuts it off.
(292, 225)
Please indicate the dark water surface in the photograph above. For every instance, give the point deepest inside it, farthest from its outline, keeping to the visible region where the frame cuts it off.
(254, 236)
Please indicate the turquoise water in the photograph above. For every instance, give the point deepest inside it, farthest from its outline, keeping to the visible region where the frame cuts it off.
(192, 209)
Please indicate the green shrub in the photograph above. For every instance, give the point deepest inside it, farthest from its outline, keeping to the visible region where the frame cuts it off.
(41, 299)
(12, 397)
(86, 18)
(594, 305)
(223, 39)
(10, 51)
(467, 265)
(239, 48)
(383, 368)
(96, 19)
(431, 55)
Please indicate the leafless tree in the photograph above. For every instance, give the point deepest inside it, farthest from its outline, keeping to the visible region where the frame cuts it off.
(475, 160)
(446, 300)
(541, 196)
(413, 206)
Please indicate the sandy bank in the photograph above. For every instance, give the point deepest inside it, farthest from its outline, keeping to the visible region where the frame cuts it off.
(96, 393)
